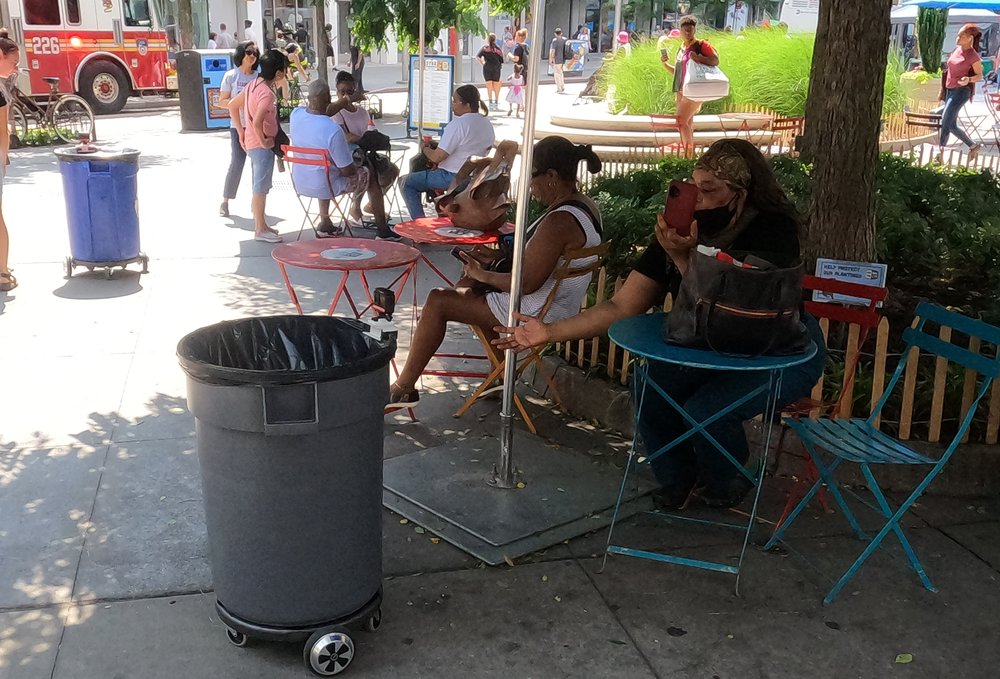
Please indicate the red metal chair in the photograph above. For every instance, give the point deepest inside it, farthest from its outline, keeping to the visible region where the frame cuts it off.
(861, 321)
(664, 124)
(314, 157)
(787, 129)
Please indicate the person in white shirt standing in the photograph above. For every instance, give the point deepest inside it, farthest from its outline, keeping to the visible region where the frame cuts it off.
(225, 40)
(248, 33)
(213, 43)
(233, 82)
(469, 133)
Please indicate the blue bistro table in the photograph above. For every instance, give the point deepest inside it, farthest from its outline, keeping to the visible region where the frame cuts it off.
(643, 337)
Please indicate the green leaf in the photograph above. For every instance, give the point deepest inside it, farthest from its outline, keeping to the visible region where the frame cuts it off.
(904, 659)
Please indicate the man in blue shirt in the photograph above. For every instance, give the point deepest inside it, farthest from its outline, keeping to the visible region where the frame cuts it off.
(313, 128)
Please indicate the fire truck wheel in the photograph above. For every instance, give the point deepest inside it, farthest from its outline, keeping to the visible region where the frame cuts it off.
(104, 86)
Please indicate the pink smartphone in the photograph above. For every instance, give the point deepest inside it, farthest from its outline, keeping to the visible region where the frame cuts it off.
(679, 205)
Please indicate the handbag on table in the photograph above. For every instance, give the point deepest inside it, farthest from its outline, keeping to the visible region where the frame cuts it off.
(748, 308)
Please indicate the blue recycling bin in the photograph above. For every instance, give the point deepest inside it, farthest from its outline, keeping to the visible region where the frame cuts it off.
(101, 208)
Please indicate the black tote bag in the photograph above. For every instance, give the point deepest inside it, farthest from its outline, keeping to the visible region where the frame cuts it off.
(736, 311)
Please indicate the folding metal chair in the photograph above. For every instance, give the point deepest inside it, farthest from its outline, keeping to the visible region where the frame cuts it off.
(310, 157)
(993, 106)
(861, 320)
(393, 196)
(787, 130)
(860, 441)
(664, 124)
(499, 363)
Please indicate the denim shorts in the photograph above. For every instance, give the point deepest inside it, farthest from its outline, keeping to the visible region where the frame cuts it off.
(262, 169)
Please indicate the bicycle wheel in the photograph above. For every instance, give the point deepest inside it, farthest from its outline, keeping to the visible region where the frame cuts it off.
(18, 124)
(70, 117)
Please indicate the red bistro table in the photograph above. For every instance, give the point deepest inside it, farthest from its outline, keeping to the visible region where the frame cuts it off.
(440, 231)
(347, 255)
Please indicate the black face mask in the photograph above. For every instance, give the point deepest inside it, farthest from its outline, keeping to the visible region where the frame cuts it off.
(713, 220)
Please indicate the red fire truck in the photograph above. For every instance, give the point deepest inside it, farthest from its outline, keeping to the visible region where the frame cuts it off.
(104, 50)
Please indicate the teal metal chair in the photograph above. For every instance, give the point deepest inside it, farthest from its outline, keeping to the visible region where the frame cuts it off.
(860, 441)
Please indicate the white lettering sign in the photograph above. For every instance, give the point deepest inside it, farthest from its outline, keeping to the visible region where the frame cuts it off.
(45, 45)
(862, 273)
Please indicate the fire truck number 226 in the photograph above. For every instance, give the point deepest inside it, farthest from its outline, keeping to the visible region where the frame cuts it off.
(104, 50)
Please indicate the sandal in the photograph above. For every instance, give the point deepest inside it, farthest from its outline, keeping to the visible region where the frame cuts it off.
(7, 282)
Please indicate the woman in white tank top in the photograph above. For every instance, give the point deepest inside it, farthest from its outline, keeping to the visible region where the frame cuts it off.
(482, 297)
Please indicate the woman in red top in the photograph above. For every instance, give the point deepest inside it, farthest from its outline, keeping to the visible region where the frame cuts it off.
(964, 68)
(699, 51)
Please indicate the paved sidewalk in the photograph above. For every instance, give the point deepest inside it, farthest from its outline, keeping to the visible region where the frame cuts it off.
(103, 552)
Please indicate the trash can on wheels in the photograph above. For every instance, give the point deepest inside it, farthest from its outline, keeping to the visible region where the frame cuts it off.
(101, 208)
(289, 420)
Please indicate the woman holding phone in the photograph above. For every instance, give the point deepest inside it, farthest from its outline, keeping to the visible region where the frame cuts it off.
(698, 51)
(962, 71)
(740, 209)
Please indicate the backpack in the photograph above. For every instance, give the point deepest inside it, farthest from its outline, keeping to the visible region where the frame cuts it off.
(569, 54)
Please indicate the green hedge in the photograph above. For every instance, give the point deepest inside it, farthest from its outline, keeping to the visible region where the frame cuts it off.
(765, 68)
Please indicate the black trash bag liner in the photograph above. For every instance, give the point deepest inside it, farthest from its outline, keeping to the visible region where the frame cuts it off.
(282, 350)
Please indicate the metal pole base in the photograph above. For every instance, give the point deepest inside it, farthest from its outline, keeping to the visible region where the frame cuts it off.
(441, 489)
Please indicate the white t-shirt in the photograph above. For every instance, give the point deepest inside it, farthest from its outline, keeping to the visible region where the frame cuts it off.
(211, 44)
(225, 40)
(317, 131)
(467, 135)
(234, 82)
(250, 34)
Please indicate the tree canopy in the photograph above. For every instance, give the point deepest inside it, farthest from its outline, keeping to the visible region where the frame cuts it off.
(373, 20)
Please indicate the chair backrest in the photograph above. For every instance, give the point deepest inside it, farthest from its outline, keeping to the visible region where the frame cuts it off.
(302, 155)
(917, 337)
(931, 121)
(863, 315)
(793, 124)
(566, 270)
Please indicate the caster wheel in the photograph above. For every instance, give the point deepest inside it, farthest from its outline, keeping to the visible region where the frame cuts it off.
(90, 269)
(108, 273)
(145, 263)
(236, 638)
(374, 622)
(69, 267)
(328, 652)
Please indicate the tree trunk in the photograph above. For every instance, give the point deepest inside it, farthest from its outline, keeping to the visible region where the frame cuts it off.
(843, 115)
(185, 25)
(322, 40)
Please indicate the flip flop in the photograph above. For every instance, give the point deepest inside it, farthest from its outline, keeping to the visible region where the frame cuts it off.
(7, 282)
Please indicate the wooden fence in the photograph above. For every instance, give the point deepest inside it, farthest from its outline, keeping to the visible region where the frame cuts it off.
(601, 355)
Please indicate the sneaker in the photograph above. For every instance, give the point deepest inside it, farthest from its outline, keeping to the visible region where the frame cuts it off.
(326, 227)
(224, 209)
(388, 234)
(267, 237)
(402, 399)
(726, 495)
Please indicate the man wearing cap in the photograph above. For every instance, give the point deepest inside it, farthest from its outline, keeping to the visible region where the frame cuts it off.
(557, 59)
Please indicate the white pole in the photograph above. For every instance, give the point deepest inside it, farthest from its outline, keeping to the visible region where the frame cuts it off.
(420, 69)
(618, 26)
(503, 477)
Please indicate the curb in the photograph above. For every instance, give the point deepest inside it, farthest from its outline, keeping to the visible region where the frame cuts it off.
(974, 469)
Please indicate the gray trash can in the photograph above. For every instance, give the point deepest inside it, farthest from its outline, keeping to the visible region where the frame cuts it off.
(289, 420)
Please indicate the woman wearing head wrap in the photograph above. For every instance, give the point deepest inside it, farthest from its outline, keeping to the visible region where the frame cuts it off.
(742, 211)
